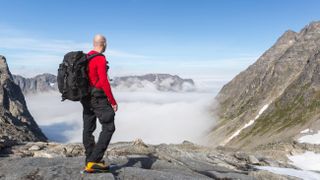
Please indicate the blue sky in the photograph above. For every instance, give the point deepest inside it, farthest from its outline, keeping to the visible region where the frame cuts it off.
(193, 38)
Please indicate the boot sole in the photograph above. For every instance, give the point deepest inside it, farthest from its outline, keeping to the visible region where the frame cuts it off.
(94, 171)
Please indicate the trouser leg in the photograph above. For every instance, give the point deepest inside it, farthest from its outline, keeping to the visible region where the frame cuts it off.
(105, 114)
(89, 125)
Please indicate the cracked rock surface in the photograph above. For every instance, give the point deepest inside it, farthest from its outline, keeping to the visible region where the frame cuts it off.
(134, 160)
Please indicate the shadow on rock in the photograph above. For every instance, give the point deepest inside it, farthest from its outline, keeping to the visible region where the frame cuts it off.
(144, 162)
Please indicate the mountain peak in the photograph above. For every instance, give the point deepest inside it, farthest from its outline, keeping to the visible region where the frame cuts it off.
(315, 25)
(4, 70)
(288, 37)
(310, 30)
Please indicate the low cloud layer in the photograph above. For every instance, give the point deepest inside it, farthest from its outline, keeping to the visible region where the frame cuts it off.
(155, 117)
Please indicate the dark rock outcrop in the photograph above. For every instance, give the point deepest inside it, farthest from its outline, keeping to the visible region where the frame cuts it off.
(276, 97)
(16, 122)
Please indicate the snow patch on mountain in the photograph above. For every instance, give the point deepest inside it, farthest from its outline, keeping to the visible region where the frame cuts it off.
(311, 138)
(307, 161)
(246, 125)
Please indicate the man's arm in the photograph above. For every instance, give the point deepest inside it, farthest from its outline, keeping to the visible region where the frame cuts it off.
(103, 78)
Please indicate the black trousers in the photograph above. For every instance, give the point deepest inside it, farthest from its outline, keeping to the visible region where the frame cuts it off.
(93, 108)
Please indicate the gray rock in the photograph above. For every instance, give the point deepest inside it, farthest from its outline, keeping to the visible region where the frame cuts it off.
(139, 142)
(228, 175)
(253, 160)
(132, 173)
(241, 156)
(34, 148)
(262, 175)
(43, 168)
(45, 154)
(128, 160)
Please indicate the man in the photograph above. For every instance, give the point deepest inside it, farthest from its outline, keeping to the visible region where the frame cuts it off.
(100, 104)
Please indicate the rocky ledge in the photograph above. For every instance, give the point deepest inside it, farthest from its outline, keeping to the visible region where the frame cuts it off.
(135, 160)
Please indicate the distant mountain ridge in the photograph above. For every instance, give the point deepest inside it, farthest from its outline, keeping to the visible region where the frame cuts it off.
(274, 99)
(40, 83)
(160, 82)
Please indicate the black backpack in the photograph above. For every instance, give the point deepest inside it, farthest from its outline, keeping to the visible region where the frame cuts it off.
(73, 81)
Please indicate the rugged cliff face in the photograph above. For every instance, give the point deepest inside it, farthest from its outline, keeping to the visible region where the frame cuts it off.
(16, 123)
(276, 97)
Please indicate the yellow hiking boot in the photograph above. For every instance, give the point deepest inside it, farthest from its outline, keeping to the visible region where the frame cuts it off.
(93, 167)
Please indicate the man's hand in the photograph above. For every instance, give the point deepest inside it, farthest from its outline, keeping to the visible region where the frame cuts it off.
(115, 107)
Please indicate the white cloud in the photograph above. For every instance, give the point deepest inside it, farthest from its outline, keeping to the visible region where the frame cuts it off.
(52, 46)
(29, 55)
(43, 45)
(153, 116)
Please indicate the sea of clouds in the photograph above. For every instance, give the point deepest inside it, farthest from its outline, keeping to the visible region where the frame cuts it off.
(154, 116)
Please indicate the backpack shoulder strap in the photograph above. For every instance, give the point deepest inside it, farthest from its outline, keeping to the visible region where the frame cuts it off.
(94, 55)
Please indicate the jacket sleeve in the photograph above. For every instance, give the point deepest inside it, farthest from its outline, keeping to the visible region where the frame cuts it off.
(103, 78)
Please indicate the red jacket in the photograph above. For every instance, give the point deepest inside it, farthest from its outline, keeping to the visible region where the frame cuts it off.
(98, 76)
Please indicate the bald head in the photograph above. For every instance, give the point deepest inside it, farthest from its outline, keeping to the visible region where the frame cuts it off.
(99, 43)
